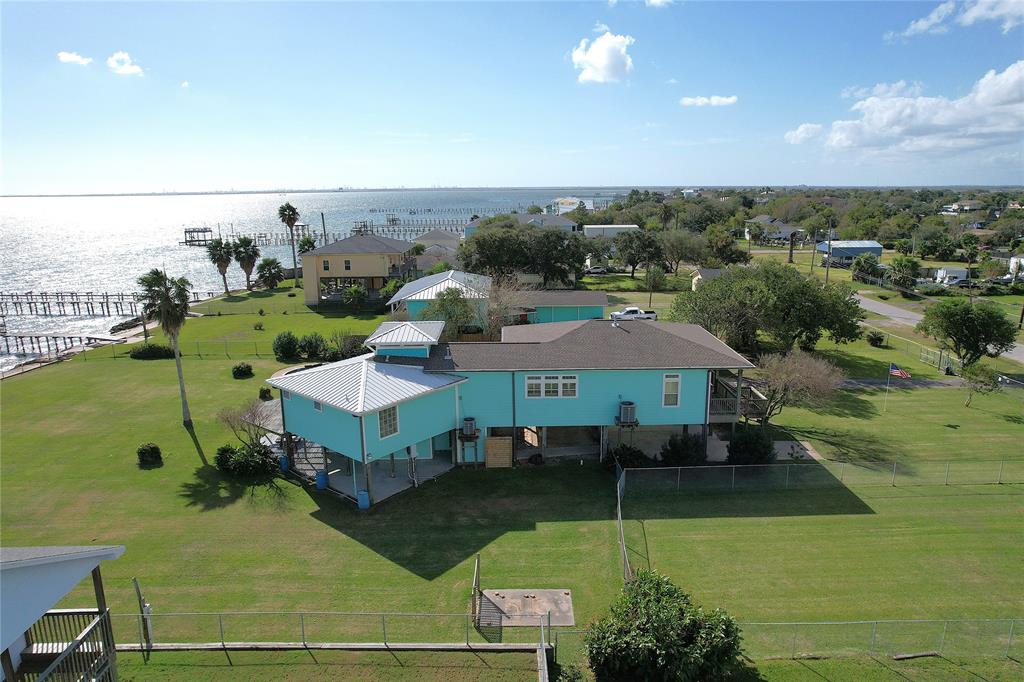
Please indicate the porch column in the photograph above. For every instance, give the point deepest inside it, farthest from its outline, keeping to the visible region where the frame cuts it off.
(739, 391)
(543, 439)
(97, 586)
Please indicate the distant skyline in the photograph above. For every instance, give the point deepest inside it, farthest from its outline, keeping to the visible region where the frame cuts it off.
(199, 97)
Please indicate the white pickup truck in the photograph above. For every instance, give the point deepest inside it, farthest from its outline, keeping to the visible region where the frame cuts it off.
(634, 313)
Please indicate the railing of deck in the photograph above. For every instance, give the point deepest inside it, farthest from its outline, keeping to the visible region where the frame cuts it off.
(87, 655)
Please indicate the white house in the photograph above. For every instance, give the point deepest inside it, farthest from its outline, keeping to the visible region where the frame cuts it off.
(32, 581)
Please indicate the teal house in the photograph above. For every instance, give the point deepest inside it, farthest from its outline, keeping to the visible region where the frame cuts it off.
(532, 306)
(415, 407)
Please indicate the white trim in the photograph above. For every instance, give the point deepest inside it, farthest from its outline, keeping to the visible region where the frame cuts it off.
(678, 379)
(380, 430)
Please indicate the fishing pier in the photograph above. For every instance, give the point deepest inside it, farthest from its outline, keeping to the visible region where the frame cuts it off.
(49, 344)
(393, 226)
(76, 303)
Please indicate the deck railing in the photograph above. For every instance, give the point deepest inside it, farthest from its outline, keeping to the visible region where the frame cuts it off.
(88, 654)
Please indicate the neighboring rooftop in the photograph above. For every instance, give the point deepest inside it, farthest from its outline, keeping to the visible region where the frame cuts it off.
(849, 244)
(13, 557)
(591, 344)
(406, 333)
(363, 243)
(439, 236)
(361, 385)
(607, 230)
(708, 273)
(427, 288)
(565, 297)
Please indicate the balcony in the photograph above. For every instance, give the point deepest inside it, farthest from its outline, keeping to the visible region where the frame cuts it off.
(69, 644)
(727, 404)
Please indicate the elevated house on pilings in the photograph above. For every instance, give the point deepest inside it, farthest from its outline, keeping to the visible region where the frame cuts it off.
(415, 407)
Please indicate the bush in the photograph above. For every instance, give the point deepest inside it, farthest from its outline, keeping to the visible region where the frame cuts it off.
(265, 393)
(932, 289)
(875, 339)
(569, 673)
(260, 312)
(151, 351)
(628, 457)
(751, 445)
(286, 346)
(349, 345)
(242, 370)
(654, 632)
(245, 461)
(683, 450)
(313, 346)
(149, 455)
(258, 326)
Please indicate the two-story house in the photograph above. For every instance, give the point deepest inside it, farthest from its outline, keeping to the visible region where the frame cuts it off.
(366, 259)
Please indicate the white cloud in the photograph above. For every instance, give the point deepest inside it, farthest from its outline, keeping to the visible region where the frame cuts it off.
(121, 63)
(1009, 12)
(884, 90)
(991, 114)
(671, 81)
(600, 27)
(605, 60)
(657, 3)
(803, 133)
(713, 101)
(73, 58)
(184, 84)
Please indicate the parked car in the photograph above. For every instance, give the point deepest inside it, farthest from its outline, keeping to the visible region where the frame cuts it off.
(596, 270)
(634, 313)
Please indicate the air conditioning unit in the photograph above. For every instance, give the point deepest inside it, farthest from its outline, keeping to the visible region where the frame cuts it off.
(468, 426)
(627, 412)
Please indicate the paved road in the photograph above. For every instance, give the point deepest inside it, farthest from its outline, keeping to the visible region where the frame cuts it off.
(910, 319)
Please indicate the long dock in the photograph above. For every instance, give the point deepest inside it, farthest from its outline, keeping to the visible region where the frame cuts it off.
(49, 343)
(76, 303)
(394, 227)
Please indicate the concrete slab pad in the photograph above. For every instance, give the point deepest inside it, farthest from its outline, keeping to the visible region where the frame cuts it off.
(522, 608)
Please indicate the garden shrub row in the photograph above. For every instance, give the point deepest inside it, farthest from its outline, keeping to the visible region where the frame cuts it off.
(246, 461)
(314, 347)
(751, 444)
(151, 351)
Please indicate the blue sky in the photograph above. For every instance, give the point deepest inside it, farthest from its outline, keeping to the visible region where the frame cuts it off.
(491, 94)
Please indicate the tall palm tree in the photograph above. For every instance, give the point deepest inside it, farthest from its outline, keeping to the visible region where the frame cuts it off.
(307, 244)
(165, 299)
(246, 253)
(289, 215)
(220, 252)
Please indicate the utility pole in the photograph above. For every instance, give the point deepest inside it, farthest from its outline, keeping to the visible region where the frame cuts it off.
(828, 254)
(323, 223)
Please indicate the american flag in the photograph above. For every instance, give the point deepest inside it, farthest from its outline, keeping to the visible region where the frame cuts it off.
(897, 372)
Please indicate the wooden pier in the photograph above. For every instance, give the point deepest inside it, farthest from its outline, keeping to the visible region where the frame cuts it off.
(394, 227)
(47, 344)
(76, 303)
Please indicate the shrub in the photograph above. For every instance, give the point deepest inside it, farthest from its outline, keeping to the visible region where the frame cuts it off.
(313, 346)
(286, 346)
(628, 457)
(751, 445)
(291, 294)
(932, 289)
(258, 326)
(265, 393)
(242, 370)
(149, 455)
(245, 461)
(260, 312)
(654, 632)
(151, 351)
(349, 345)
(875, 339)
(570, 673)
(683, 450)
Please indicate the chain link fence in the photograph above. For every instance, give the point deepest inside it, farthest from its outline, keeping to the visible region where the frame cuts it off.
(819, 474)
(935, 357)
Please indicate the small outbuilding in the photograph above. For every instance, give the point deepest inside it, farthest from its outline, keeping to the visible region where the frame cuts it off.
(844, 251)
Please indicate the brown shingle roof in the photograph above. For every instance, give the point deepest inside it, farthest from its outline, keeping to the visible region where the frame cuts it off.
(591, 344)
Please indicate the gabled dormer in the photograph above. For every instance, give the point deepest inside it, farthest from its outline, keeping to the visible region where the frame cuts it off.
(405, 339)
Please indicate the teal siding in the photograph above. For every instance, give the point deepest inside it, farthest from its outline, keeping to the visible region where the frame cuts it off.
(419, 420)
(405, 352)
(565, 313)
(415, 308)
(487, 397)
(332, 428)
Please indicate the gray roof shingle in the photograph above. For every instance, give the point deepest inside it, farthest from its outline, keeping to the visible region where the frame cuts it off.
(363, 243)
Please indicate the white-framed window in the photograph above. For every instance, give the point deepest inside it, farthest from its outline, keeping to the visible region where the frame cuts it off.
(287, 395)
(348, 264)
(670, 390)
(318, 406)
(387, 420)
(552, 386)
(327, 265)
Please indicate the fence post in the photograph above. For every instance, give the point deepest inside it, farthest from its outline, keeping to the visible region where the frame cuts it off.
(384, 627)
(796, 629)
(894, 473)
(842, 471)
(734, 477)
(874, 633)
(787, 476)
(946, 482)
(1009, 639)
(220, 620)
(999, 479)
(255, 349)
(942, 642)
(467, 629)
(197, 350)
(226, 348)
(679, 477)
(302, 627)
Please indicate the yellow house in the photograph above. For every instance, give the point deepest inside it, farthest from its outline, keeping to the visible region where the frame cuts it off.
(364, 259)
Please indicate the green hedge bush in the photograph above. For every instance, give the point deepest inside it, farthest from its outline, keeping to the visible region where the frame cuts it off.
(286, 346)
(149, 455)
(151, 351)
(683, 450)
(242, 370)
(751, 445)
(245, 461)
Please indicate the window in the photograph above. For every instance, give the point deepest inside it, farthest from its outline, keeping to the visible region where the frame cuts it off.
(387, 420)
(551, 386)
(327, 265)
(348, 264)
(318, 406)
(287, 395)
(670, 391)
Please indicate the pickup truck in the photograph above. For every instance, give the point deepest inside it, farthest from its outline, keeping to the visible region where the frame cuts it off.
(634, 313)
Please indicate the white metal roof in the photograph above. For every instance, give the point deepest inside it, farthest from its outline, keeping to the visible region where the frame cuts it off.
(405, 333)
(361, 385)
(852, 244)
(427, 288)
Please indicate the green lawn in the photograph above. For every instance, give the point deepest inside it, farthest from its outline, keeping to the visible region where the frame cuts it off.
(623, 282)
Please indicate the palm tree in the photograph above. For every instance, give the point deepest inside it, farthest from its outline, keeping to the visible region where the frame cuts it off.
(289, 215)
(246, 253)
(270, 272)
(307, 244)
(165, 299)
(219, 252)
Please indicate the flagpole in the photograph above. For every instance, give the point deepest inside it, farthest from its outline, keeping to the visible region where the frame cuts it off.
(888, 378)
